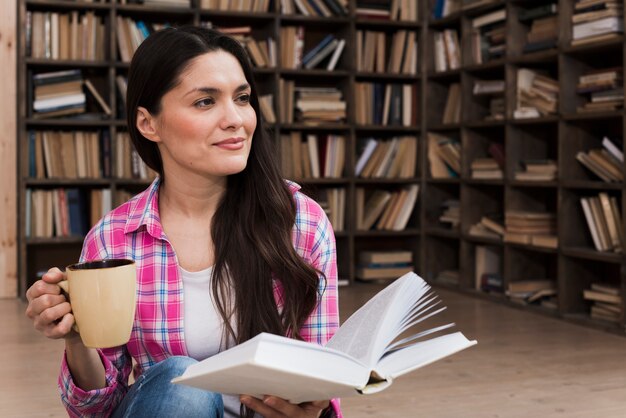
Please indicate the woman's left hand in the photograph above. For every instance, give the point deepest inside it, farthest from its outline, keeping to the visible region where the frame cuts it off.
(273, 407)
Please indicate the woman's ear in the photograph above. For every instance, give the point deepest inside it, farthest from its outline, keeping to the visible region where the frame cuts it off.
(146, 124)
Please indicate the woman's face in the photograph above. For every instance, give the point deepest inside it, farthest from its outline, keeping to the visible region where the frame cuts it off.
(206, 122)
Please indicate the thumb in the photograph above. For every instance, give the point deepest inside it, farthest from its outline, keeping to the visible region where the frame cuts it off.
(53, 276)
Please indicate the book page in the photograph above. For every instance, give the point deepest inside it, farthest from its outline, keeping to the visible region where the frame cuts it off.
(367, 333)
(421, 354)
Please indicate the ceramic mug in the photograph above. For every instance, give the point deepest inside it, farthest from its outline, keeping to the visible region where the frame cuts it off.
(103, 297)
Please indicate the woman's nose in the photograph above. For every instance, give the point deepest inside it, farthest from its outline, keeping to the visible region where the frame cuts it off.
(231, 117)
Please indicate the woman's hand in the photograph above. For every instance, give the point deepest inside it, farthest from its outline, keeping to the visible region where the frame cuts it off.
(274, 407)
(48, 308)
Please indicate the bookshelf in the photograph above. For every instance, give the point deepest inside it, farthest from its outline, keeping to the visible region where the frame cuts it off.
(437, 231)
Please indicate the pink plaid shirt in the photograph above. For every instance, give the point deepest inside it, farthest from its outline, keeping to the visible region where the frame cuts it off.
(134, 231)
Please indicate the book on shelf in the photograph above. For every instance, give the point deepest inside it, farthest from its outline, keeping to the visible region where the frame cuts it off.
(449, 277)
(481, 231)
(385, 257)
(604, 222)
(522, 226)
(357, 360)
(537, 94)
(444, 8)
(452, 109)
(531, 291)
(384, 209)
(603, 162)
(393, 158)
(96, 95)
(382, 271)
(488, 37)
(333, 201)
(606, 301)
(486, 169)
(450, 213)
(537, 12)
(537, 170)
(487, 260)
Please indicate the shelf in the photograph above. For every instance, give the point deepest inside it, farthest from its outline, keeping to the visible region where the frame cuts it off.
(436, 248)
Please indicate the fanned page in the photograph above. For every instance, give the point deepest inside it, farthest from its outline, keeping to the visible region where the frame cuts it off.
(369, 331)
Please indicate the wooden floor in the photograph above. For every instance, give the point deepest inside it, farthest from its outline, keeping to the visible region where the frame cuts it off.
(525, 365)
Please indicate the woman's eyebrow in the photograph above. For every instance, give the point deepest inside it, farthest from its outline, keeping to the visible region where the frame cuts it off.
(216, 91)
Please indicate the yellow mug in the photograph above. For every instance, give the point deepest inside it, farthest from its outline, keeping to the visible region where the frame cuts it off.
(103, 298)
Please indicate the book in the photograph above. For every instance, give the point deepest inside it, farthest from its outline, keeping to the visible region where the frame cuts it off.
(357, 360)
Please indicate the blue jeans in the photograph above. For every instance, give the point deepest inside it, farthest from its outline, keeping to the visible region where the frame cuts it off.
(152, 395)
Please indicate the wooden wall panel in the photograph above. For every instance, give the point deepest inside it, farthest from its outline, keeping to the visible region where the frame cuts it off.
(8, 155)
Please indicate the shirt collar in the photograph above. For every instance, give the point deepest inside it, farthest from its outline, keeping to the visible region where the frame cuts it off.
(144, 209)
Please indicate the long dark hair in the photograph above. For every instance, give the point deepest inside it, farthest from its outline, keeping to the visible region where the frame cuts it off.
(252, 226)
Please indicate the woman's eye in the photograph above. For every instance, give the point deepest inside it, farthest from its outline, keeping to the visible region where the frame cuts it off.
(204, 102)
(244, 98)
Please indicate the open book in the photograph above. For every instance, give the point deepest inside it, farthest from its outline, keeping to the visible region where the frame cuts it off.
(364, 356)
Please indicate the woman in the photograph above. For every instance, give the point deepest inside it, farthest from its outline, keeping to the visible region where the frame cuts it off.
(224, 247)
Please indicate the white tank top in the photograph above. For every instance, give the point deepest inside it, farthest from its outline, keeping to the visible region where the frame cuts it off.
(203, 324)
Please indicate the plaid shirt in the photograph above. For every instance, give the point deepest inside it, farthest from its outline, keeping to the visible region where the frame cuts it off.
(134, 231)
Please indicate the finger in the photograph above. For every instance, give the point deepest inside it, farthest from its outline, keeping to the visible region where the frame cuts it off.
(54, 275)
(43, 302)
(41, 288)
(55, 313)
(261, 407)
(62, 329)
(315, 406)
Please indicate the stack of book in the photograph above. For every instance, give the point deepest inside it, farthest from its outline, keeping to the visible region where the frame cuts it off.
(488, 37)
(537, 94)
(256, 6)
(596, 21)
(56, 213)
(604, 221)
(443, 8)
(606, 162)
(375, 265)
(451, 213)
(58, 93)
(131, 33)
(318, 156)
(70, 155)
(537, 170)
(320, 8)
(385, 104)
(292, 46)
(543, 21)
(605, 89)
(530, 228)
(537, 292)
(385, 210)
(452, 109)
(385, 9)
(65, 36)
(486, 169)
(262, 52)
(606, 302)
(373, 55)
(394, 158)
(333, 201)
(447, 51)
(327, 52)
(494, 89)
(444, 156)
(318, 105)
(488, 227)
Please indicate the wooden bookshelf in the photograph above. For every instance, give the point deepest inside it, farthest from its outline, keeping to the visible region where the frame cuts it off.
(436, 246)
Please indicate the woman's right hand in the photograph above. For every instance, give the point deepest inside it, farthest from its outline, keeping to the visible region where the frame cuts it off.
(48, 308)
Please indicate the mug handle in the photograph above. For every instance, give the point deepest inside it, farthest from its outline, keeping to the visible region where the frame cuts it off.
(65, 289)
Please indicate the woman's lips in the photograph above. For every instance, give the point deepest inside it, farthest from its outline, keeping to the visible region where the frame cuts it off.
(231, 144)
